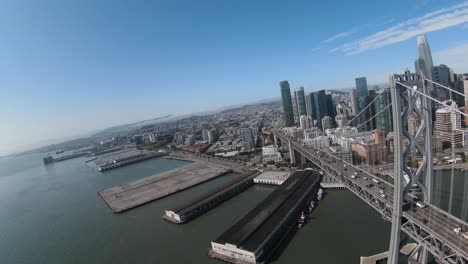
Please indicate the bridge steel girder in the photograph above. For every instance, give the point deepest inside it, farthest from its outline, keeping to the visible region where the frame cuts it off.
(414, 228)
(406, 103)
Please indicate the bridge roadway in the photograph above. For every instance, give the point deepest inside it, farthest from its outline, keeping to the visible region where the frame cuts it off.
(429, 226)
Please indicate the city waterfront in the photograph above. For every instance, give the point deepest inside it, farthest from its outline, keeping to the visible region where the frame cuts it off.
(52, 214)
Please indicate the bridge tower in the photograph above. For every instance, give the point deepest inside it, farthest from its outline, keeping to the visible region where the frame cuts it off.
(406, 102)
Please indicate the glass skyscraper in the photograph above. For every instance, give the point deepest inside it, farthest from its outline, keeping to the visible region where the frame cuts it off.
(361, 87)
(309, 98)
(442, 74)
(300, 101)
(248, 137)
(362, 100)
(424, 64)
(287, 104)
(384, 119)
(323, 106)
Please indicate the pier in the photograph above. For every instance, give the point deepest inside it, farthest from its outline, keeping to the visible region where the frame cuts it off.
(50, 159)
(125, 158)
(254, 238)
(196, 207)
(141, 191)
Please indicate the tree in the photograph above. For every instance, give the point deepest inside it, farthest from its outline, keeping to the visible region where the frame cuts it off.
(446, 145)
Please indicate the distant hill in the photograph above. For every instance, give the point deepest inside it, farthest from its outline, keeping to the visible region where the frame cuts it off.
(111, 131)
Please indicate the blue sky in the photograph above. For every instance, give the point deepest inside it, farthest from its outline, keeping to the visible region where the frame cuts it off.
(70, 67)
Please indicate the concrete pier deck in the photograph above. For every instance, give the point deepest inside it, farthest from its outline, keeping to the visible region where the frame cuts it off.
(141, 191)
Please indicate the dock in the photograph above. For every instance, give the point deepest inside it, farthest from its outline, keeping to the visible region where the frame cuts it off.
(125, 158)
(194, 208)
(50, 159)
(254, 238)
(142, 191)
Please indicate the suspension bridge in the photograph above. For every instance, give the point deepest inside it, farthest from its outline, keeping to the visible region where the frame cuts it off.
(429, 226)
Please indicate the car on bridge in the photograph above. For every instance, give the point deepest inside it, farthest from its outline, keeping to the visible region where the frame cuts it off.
(420, 204)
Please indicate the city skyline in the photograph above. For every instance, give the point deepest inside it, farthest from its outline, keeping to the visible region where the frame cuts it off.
(110, 96)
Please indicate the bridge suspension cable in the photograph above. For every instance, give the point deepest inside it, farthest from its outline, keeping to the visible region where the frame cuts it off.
(431, 98)
(362, 111)
(360, 125)
(443, 86)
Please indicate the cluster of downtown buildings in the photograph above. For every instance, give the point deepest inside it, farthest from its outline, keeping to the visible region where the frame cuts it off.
(358, 127)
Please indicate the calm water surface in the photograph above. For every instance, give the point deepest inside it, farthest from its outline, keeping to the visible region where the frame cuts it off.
(52, 214)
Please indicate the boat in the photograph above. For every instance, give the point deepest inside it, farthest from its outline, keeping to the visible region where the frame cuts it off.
(311, 206)
(320, 194)
(48, 159)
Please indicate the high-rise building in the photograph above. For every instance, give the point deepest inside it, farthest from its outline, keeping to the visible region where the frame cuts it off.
(287, 104)
(424, 62)
(309, 100)
(341, 120)
(205, 134)
(370, 112)
(362, 117)
(459, 86)
(294, 104)
(331, 109)
(152, 137)
(362, 100)
(212, 135)
(179, 138)
(384, 120)
(353, 97)
(343, 109)
(361, 87)
(465, 92)
(300, 101)
(442, 75)
(189, 140)
(448, 123)
(306, 122)
(327, 123)
(320, 104)
(248, 137)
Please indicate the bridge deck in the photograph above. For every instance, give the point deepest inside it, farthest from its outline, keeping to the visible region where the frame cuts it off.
(431, 219)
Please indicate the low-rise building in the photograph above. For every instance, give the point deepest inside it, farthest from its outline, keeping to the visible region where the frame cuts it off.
(318, 142)
(271, 154)
(345, 141)
(313, 132)
(295, 132)
(370, 151)
(340, 153)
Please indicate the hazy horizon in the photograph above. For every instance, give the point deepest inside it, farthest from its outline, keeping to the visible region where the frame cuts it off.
(69, 68)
